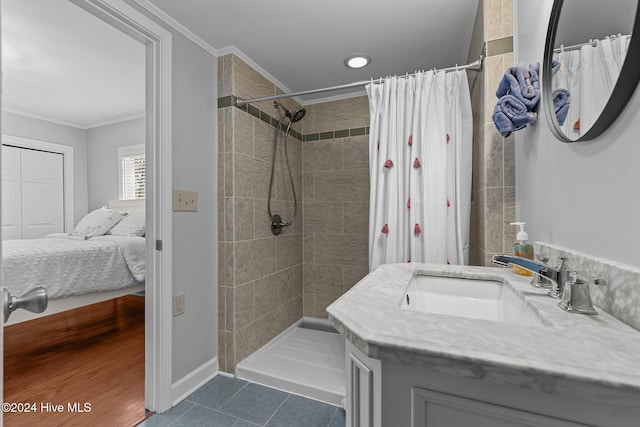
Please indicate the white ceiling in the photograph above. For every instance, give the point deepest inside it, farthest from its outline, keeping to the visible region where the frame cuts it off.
(63, 64)
(303, 44)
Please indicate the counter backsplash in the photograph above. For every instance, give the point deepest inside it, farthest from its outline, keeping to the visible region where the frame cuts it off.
(619, 296)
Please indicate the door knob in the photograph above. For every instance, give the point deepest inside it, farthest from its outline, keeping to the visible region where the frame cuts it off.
(34, 301)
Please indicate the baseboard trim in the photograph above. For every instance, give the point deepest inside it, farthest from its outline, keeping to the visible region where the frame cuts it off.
(193, 381)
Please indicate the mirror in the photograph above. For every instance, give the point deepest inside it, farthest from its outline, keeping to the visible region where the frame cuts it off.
(591, 65)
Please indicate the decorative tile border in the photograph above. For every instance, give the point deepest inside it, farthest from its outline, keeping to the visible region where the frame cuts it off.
(230, 101)
(620, 294)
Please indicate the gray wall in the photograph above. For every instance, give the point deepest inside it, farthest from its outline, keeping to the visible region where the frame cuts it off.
(27, 127)
(102, 158)
(195, 235)
(582, 196)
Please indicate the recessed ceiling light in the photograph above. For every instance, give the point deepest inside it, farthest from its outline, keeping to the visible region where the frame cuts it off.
(357, 60)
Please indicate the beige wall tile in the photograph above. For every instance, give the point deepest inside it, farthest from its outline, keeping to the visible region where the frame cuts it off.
(244, 304)
(308, 124)
(324, 217)
(263, 140)
(307, 187)
(244, 219)
(288, 313)
(221, 174)
(509, 162)
(353, 275)
(356, 217)
(288, 251)
(343, 249)
(493, 220)
(308, 304)
(222, 350)
(229, 219)
(228, 114)
(222, 265)
(226, 88)
(492, 19)
(282, 183)
(493, 156)
(267, 293)
(221, 219)
(509, 231)
(230, 264)
(255, 335)
(507, 18)
(493, 70)
(230, 309)
(323, 279)
(322, 155)
(342, 114)
(248, 83)
(355, 152)
(350, 185)
(309, 247)
(255, 259)
(243, 133)
(222, 303)
(228, 174)
(251, 177)
(230, 343)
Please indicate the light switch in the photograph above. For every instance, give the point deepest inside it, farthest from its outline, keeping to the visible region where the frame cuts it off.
(185, 201)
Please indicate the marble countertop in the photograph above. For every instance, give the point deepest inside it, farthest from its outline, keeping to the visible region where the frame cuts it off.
(591, 357)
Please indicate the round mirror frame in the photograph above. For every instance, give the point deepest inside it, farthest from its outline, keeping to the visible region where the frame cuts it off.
(622, 91)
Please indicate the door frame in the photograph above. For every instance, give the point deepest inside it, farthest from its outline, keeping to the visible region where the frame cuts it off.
(158, 205)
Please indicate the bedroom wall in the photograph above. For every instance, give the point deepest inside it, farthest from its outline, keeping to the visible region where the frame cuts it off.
(27, 127)
(102, 158)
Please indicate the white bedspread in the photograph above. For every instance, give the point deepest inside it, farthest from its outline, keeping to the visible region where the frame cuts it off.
(68, 265)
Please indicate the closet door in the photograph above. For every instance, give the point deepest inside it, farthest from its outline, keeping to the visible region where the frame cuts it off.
(11, 194)
(42, 193)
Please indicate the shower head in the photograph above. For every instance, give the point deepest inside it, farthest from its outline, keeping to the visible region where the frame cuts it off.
(296, 116)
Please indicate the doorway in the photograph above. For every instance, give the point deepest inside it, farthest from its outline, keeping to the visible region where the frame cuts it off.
(157, 48)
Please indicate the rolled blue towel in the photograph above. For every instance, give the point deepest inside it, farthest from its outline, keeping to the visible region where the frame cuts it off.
(555, 66)
(561, 104)
(523, 84)
(511, 114)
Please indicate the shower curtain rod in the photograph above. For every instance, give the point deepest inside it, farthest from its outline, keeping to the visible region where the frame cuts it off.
(592, 42)
(473, 66)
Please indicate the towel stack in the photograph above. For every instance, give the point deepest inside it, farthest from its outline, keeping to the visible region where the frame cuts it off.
(518, 95)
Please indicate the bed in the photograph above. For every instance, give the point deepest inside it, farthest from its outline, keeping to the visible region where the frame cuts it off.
(103, 258)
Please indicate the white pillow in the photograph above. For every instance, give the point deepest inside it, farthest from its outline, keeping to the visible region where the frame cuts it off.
(131, 225)
(98, 222)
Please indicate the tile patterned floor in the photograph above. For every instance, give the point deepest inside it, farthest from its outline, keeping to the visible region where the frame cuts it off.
(231, 402)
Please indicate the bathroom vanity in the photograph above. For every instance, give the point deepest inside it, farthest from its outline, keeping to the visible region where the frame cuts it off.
(415, 363)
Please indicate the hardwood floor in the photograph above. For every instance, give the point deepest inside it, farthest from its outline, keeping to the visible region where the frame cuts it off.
(92, 355)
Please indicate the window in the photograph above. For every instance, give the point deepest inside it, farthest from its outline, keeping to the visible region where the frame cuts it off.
(132, 171)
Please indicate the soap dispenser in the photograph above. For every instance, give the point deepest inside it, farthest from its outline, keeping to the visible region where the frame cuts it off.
(522, 248)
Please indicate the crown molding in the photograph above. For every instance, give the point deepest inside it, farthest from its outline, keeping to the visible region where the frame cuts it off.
(170, 21)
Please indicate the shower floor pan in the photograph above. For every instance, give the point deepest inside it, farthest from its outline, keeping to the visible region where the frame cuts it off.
(306, 359)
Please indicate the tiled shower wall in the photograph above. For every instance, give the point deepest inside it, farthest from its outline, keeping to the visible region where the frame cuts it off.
(260, 275)
(493, 199)
(335, 164)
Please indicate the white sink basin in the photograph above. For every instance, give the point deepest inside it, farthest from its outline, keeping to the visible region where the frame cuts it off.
(464, 297)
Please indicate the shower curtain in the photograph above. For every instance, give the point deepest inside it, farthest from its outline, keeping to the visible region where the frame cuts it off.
(589, 74)
(420, 147)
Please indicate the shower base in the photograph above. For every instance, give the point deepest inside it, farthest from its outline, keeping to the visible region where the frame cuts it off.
(306, 359)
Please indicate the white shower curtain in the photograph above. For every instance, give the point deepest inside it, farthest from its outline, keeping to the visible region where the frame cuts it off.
(420, 147)
(589, 74)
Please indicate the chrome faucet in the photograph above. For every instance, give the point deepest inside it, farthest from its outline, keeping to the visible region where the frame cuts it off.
(557, 276)
(568, 285)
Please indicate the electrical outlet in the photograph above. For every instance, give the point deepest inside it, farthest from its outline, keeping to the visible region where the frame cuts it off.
(178, 305)
(185, 201)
